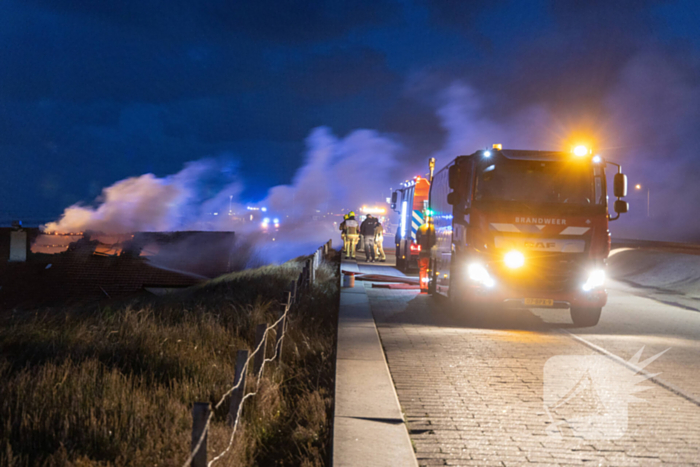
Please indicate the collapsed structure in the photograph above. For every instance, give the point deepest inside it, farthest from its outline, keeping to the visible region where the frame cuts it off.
(49, 268)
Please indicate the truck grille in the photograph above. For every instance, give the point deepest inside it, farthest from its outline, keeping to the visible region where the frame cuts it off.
(553, 272)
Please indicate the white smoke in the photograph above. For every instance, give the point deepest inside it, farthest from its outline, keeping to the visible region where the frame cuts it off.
(149, 203)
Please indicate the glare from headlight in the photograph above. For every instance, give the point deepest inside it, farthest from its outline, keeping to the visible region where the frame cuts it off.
(480, 275)
(514, 259)
(595, 280)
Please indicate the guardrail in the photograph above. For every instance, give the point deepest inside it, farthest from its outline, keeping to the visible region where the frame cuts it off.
(201, 412)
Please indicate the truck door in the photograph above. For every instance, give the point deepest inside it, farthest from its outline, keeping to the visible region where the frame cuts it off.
(442, 221)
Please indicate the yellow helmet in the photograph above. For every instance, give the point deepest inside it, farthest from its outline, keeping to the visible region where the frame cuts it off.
(351, 214)
(346, 216)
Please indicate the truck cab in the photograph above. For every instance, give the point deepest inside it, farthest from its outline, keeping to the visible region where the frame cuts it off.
(524, 229)
(411, 202)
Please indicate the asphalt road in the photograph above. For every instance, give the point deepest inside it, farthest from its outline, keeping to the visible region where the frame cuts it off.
(529, 388)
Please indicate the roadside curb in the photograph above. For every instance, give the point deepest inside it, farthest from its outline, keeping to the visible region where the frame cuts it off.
(368, 427)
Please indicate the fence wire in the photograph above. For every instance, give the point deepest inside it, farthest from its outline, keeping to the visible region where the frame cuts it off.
(315, 263)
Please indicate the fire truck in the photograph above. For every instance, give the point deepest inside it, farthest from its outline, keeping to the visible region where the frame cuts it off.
(524, 229)
(411, 202)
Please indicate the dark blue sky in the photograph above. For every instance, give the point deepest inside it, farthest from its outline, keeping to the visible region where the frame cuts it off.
(92, 92)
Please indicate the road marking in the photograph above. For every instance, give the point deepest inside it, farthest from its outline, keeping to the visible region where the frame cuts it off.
(664, 384)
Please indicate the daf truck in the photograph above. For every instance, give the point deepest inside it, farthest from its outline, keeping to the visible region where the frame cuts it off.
(524, 229)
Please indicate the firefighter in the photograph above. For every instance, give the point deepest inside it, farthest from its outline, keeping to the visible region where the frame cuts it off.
(379, 243)
(351, 234)
(424, 238)
(367, 231)
(342, 229)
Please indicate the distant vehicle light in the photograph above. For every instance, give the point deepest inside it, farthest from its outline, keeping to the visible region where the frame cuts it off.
(373, 210)
(480, 275)
(596, 279)
(487, 153)
(514, 259)
(597, 159)
(498, 147)
(263, 209)
(415, 247)
(266, 220)
(580, 151)
(276, 221)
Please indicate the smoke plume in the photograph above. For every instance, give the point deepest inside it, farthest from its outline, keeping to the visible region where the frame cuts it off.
(648, 122)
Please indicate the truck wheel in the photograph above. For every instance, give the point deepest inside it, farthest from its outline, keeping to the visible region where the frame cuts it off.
(586, 317)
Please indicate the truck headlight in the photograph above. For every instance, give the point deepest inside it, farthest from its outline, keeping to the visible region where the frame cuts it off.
(514, 259)
(480, 275)
(596, 279)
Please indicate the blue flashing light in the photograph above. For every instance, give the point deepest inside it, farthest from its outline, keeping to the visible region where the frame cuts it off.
(404, 213)
(263, 209)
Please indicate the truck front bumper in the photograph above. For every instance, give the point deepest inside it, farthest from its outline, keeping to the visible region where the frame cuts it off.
(516, 298)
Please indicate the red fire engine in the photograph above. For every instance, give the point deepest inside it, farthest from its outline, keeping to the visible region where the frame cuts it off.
(411, 202)
(525, 229)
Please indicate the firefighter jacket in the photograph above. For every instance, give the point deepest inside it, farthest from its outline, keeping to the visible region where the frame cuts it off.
(351, 226)
(379, 231)
(425, 237)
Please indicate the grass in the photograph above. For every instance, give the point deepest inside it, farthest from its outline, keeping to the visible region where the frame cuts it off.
(115, 385)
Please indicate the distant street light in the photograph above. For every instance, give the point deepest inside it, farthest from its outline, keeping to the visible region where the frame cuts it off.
(639, 187)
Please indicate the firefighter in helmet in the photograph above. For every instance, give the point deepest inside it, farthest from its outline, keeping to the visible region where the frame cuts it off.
(379, 243)
(342, 229)
(352, 228)
(425, 237)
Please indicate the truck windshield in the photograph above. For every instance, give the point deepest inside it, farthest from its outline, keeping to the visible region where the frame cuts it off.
(540, 182)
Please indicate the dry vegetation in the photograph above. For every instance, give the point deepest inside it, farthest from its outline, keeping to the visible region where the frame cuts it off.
(114, 385)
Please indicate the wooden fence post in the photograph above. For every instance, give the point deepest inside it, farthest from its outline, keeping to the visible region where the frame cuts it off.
(314, 265)
(300, 287)
(293, 290)
(308, 273)
(200, 415)
(260, 356)
(281, 327)
(237, 395)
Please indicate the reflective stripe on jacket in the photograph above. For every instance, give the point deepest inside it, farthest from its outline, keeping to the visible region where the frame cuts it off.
(351, 227)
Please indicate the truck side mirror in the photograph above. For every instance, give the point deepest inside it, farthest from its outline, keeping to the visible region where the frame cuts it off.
(394, 197)
(453, 177)
(621, 206)
(452, 198)
(620, 186)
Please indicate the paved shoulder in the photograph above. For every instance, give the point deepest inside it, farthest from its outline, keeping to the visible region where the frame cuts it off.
(369, 429)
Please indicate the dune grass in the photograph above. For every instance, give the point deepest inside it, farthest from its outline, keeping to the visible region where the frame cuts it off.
(114, 385)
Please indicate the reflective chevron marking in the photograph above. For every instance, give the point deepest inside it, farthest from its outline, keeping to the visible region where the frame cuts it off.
(506, 228)
(416, 222)
(574, 231)
(528, 228)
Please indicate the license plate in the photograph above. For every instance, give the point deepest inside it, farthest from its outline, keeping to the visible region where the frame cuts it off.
(539, 301)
